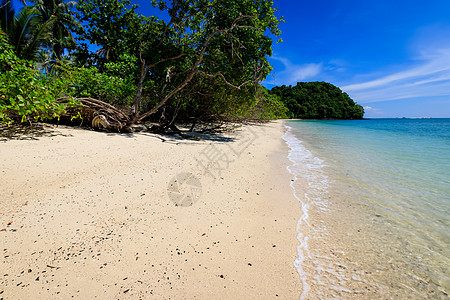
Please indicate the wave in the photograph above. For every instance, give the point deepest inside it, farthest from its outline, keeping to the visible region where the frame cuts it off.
(310, 185)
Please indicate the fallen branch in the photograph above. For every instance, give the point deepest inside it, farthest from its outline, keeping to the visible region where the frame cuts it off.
(99, 114)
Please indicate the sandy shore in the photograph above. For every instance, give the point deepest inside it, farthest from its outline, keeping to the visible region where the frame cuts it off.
(88, 214)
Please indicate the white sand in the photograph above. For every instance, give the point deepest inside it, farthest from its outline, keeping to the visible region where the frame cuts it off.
(90, 216)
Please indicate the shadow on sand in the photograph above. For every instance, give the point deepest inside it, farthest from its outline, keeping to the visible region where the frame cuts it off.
(26, 132)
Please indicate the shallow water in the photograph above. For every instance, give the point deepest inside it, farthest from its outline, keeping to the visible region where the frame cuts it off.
(375, 197)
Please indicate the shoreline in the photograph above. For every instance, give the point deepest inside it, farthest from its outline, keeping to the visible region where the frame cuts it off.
(362, 238)
(92, 216)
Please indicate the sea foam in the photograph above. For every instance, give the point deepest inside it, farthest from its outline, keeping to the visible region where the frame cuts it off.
(310, 187)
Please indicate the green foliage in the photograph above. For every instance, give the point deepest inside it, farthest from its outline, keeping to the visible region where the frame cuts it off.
(269, 106)
(63, 23)
(208, 101)
(25, 94)
(205, 62)
(25, 31)
(222, 44)
(46, 24)
(113, 25)
(318, 100)
(89, 82)
(126, 66)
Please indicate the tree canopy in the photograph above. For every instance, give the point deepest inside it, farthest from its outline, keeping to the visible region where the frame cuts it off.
(318, 100)
(206, 42)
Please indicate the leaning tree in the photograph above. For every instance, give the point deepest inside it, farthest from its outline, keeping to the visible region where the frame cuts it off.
(227, 41)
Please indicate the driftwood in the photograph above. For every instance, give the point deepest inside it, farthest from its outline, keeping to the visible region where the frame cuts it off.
(99, 114)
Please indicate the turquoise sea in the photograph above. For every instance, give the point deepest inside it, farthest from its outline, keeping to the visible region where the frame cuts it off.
(375, 198)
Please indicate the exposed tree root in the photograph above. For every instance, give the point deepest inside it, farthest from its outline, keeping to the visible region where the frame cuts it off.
(99, 114)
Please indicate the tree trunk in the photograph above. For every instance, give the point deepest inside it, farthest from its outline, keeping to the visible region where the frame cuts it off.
(134, 108)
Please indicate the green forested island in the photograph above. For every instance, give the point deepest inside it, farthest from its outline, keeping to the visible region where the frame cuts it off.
(317, 100)
(112, 67)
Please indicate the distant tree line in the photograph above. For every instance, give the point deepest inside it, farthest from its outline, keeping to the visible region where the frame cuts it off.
(317, 100)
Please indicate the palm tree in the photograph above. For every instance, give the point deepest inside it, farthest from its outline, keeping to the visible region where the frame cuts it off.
(48, 23)
(63, 25)
(49, 64)
(25, 30)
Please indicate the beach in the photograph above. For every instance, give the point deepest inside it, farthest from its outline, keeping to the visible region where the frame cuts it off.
(89, 214)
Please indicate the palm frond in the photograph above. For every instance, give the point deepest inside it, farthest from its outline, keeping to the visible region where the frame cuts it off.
(41, 37)
(21, 31)
(64, 25)
(6, 14)
(48, 23)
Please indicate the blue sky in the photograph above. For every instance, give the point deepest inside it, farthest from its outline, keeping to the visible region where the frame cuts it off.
(392, 57)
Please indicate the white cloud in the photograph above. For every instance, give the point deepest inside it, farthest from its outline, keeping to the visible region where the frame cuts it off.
(372, 111)
(428, 77)
(292, 73)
